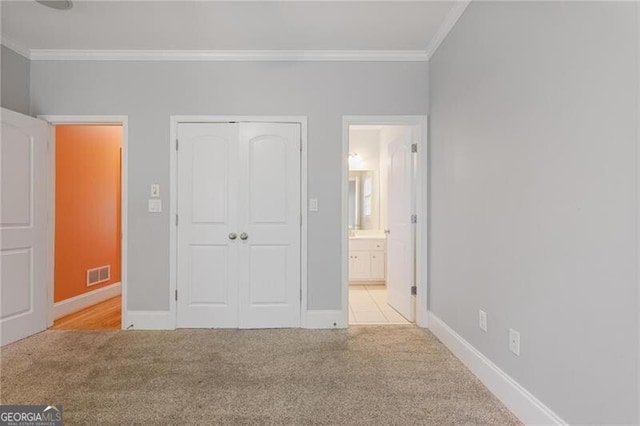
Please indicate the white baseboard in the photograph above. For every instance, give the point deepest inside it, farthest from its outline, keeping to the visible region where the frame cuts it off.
(163, 320)
(325, 319)
(149, 320)
(78, 303)
(515, 397)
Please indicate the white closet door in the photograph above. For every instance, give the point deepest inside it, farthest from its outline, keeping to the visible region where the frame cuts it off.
(208, 213)
(270, 217)
(400, 242)
(24, 203)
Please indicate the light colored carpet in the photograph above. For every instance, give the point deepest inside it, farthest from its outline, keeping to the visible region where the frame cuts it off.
(368, 375)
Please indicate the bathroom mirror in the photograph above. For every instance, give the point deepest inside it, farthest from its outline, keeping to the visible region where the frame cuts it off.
(364, 200)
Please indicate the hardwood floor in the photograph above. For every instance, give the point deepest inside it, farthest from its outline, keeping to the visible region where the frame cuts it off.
(103, 316)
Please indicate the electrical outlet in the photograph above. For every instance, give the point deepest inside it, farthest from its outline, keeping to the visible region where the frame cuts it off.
(514, 341)
(482, 316)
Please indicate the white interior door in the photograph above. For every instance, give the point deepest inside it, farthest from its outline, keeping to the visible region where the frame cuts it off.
(208, 219)
(238, 225)
(24, 229)
(400, 241)
(270, 217)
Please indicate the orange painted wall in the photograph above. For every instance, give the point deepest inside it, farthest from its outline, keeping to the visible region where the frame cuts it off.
(87, 229)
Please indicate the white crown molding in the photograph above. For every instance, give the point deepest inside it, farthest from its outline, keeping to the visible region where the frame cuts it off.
(447, 25)
(247, 55)
(228, 55)
(16, 47)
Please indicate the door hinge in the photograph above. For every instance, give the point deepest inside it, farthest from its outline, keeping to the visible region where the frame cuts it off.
(176, 144)
(414, 290)
(414, 147)
(176, 295)
(176, 220)
(414, 218)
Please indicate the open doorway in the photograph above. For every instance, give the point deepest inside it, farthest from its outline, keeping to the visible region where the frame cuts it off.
(87, 245)
(382, 201)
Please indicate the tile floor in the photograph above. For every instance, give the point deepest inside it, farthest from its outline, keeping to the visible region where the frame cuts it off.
(368, 305)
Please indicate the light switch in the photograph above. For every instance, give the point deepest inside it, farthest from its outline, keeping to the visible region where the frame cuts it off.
(155, 190)
(155, 205)
(313, 204)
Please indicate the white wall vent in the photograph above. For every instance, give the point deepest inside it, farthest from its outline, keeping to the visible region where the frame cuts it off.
(98, 275)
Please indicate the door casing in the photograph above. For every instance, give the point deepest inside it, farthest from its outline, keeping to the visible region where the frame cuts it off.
(173, 198)
(422, 207)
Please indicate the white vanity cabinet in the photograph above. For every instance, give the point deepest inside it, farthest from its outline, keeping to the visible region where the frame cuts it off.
(367, 259)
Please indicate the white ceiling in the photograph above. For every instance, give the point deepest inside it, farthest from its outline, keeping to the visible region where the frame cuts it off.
(207, 25)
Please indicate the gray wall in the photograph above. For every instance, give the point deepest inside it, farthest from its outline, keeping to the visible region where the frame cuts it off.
(14, 91)
(149, 92)
(533, 142)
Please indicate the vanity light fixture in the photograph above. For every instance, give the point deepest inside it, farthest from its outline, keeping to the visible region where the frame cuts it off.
(355, 161)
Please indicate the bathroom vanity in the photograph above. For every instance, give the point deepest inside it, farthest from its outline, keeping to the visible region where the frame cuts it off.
(367, 260)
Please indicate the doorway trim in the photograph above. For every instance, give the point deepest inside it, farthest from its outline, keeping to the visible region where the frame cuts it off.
(173, 197)
(422, 206)
(120, 120)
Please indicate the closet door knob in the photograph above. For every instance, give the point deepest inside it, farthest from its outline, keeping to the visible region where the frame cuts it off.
(244, 236)
(233, 236)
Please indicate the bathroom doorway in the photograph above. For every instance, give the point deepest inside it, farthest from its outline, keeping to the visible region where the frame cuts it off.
(382, 204)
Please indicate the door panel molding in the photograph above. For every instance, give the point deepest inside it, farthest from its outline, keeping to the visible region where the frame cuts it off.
(272, 166)
(208, 208)
(173, 192)
(26, 271)
(401, 239)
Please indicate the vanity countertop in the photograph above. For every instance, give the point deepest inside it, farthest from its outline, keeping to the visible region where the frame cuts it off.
(368, 237)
